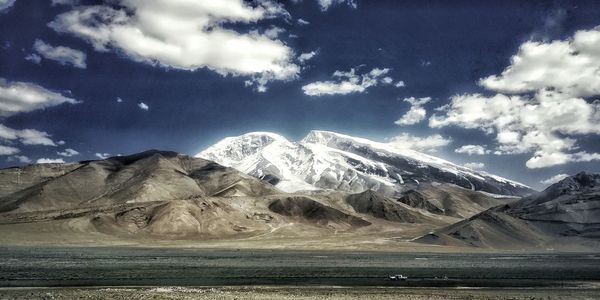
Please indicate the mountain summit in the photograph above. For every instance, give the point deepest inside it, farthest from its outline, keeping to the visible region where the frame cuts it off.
(329, 160)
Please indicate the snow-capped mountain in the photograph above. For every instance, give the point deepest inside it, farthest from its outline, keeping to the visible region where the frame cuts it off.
(329, 160)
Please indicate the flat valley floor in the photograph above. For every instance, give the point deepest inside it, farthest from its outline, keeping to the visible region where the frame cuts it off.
(175, 273)
(293, 293)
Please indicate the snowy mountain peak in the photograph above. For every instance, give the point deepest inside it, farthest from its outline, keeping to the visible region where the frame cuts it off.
(232, 150)
(321, 137)
(329, 160)
(333, 138)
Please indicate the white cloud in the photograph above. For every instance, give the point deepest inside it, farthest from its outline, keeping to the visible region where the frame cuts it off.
(61, 142)
(554, 179)
(570, 66)
(7, 150)
(429, 143)
(273, 32)
(17, 97)
(188, 35)
(475, 165)
(304, 57)
(143, 106)
(346, 83)
(6, 4)
(543, 104)
(302, 22)
(546, 124)
(34, 58)
(35, 137)
(472, 150)
(64, 2)
(119, 100)
(20, 158)
(26, 136)
(400, 84)
(325, 4)
(542, 159)
(387, 80)
(416, 113)
(68, 152)
(102, 155)
(377, 72)
(63, 55)
(50, 161)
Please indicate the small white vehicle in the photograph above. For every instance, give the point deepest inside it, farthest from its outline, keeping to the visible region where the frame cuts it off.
(397, 277)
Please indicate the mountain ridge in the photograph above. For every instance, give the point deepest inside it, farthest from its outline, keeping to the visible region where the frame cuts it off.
(329, 160)
(158, 196)
(566, 212)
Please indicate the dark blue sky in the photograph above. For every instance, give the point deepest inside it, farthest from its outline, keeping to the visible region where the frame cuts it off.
(438, 48)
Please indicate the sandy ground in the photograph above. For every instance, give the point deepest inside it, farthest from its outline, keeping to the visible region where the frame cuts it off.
(283, 293)
(78, 232)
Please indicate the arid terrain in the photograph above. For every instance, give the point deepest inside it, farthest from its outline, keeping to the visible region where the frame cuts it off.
(301, 149)
(302, 293)
(165, 199)
(165, 219)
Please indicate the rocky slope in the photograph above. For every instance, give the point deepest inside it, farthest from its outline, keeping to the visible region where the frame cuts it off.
(328, 160)
(379, 206)
(158, 196)
(144, 177)
(161, 194)
(451, 200)
(565, 214)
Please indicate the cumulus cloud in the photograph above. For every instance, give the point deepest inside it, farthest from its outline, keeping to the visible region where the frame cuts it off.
(570, 66)
(554, 179)
(472, 150)
(143, 106)
(542, 106)
(62, 55)
(26, 136)
(119, 100)
(17, 97)
(187, 35)
(50, 161)
(102, 155)
(7, 150)
(545, 125)
(6, 4)
(346, 83)
(416, 113)
(304, 57)
(68, 152)
(325, 4)
(400, 84)
(429, 143)
(543, 159)
(475, 165)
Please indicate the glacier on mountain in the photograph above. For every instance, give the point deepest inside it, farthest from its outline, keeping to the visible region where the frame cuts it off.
(329, 160)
